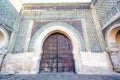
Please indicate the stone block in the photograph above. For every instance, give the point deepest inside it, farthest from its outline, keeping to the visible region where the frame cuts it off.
(18, 63)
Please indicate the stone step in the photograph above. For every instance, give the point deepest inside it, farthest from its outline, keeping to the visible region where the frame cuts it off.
(59, 76)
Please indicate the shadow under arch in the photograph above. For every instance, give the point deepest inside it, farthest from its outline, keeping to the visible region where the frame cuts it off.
(40, 36)
(4, 38)
(110, 35)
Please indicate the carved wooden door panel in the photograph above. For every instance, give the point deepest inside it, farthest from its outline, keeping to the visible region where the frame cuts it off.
(57, 54)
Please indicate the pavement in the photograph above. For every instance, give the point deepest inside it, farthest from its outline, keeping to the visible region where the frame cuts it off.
(59, 76)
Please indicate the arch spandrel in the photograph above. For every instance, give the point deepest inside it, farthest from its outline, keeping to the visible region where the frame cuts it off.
(57, 27)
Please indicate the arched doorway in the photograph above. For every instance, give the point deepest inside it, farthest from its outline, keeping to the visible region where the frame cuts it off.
(3, 38)
(37, 41)
(118, 37)
(57, 54)
(118, 41)
(112, 39)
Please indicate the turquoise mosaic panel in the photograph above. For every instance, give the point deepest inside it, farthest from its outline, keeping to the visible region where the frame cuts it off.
(8, 13)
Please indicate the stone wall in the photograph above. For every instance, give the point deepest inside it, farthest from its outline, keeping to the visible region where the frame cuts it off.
(90, 34)
(19, 63)
(108, 12)
(78, 22)
(29, 63)
(9, 12)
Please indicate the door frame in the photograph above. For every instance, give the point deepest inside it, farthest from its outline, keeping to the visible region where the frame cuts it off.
(57, 53)
(76, 39)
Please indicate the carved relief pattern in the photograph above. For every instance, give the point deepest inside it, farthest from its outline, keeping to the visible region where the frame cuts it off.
(21, 37)
(114, 10)
(75, 23)
(39, 7)
(118, 5)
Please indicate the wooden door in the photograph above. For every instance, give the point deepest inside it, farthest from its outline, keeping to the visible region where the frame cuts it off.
(57, 54)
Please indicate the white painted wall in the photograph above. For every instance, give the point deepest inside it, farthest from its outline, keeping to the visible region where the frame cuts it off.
(97, 60)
